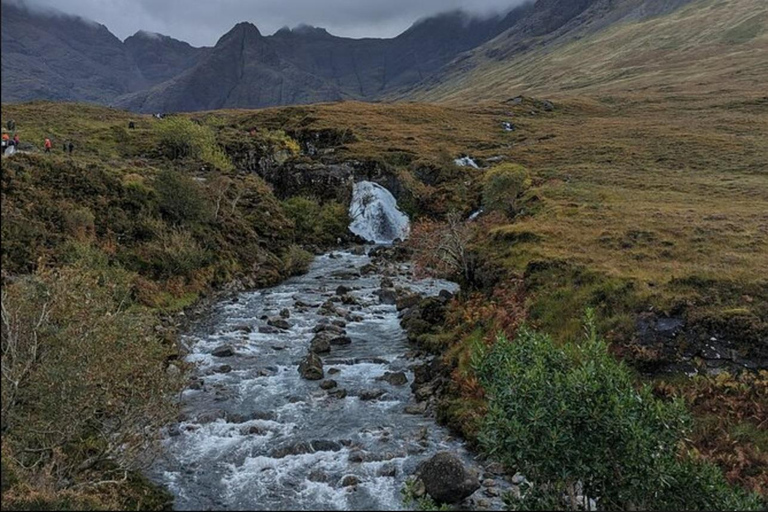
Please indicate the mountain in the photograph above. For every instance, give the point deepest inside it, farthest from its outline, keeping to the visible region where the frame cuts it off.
(159, 57)
(50, 55)
(309, 65)
(539, 47)
(61, 57)
(613, 46)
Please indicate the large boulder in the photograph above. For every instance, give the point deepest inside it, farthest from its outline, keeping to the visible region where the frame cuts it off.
(311, 367)
(446, 479)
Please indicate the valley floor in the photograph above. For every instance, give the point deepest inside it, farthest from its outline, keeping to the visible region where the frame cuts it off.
(651, 209)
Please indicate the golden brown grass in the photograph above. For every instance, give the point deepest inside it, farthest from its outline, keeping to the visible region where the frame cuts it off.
(706, 46)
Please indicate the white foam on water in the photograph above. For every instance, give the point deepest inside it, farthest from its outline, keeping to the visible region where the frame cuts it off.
(375, 214)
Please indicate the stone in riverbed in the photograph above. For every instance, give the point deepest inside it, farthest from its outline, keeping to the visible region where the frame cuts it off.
(387, 296)
(371, 394)
(394, 378)
(339, 393)
(328, 384)
(446, 479)
(280, 323)
(285, 313)
(330, 328)
(349, 481)
(343, 290)
(311, 367)
(223, 351)
(268, 329)
(340, 340)
(320, 345)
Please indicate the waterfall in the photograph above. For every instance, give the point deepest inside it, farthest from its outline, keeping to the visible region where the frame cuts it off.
(375, 215)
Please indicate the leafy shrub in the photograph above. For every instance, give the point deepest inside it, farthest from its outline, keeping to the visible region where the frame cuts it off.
(296, 260)
(174, 253)
(84, 391)
(317, 223)
(181, 199)
(504, 187)
(182, 138)
(79, 223)
(572, 420)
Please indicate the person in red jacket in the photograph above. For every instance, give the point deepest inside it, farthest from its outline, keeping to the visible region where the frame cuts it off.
(47, 145)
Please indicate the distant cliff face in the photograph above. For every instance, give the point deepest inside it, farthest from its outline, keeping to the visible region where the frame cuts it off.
(61, 57)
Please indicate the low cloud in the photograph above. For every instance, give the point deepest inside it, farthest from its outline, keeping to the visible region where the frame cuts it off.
(202, 22)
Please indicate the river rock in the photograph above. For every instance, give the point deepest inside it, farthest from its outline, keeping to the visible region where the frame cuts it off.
(387, 470)
(331, 328)
(343, 290)
(320, 345)
(371, 394)
(223, 351)
(446, 479)
(318, 476)
(328, 384)
(349, 481)
(339, 393)
(394, 378)
(211, 416)
(268, 329)
(244, 328)
(416, 409)
(280, 323)
(252, 430)
(285, 313)
(387, 296)
(340, 340)
(225, 368)
(407, 301)
(311, 367)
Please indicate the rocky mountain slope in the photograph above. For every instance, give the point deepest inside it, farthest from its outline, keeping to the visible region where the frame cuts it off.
(614, 46)
(43, 56)
(541, 47)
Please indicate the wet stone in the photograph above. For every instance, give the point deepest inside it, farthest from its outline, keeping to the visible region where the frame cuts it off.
(328, 384)
(394, 378)
(223, 351)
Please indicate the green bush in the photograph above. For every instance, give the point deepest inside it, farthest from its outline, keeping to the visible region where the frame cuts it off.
(181, 199)
(504, 188)
(182, 138)
(84, 391)
(315, 223)
(573, 421)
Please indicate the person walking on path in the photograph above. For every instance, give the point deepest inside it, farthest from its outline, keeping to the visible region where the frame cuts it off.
(48, 145)
(71, 147)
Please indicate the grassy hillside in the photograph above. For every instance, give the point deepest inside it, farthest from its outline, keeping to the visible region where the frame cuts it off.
(707, 46)
(637, 205)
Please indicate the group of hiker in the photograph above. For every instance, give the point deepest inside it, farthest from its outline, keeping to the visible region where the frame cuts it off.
(11, 141)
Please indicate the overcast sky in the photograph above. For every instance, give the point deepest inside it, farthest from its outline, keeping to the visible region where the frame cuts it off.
(202, 22)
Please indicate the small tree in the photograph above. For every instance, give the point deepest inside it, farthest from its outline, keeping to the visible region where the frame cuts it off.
(573, 421)
(441, 249)
(504, 187)
(182, 138)
(181, 200)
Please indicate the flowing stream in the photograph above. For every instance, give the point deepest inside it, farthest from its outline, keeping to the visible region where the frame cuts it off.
(256, 435)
